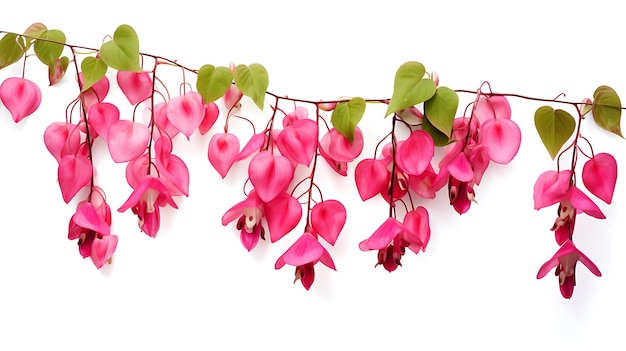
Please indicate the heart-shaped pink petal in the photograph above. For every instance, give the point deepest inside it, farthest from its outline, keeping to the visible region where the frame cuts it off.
(211, 112)
(416, 152)
(327, 219)
(282, 215)
(253, 145)
(551, 187)
(172, 168)
(186, 112)
(136, 86)
(298, 141)
(127, 140)
(501, 138)
(371, 177)
(101, 116)
(62, 139)
(488, 107)
(600, 176)
(270, 174)
(20, 96)
(298, 114)
(74, 173)
(102, 248)
(162, 122)
(223, 149)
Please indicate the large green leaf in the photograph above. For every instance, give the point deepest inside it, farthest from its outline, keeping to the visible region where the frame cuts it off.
(49, 51)
(347, 115)
(555, 127)
(34, 31)
(409, 87)
(439, 138)
(11, 49)
(252, 81)
(213, 82)
(122, 52)
(441, 109)
(607, 109)
(93, 70)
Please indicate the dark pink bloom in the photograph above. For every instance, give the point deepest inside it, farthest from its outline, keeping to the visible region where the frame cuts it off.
(327, 219)
(600, 176)
(145, 201)
(298, 141)
(565, 260)
(20, 96)
(270, 174)
(211, 112)
(248, 213)
(371, 177)
(101, 116)
(304, 254)
(62, 139)
(74, 173)
(127, 140)
(136, 86)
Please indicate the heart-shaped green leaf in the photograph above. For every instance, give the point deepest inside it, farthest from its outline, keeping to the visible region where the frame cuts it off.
(554, 128)
(49, 51)
(441, 109)
(607, 109)
(56, 72)
(347, 115)
(93, 70)
(409, 87)
(34, 31)
(122, 52)
(213, 82)
(11, 49)
(252, 81)
(439, 138)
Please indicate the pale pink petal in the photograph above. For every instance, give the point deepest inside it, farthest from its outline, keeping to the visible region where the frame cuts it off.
(74, 173)
(101, 116)
(232, 97)
(415, 153)
(211, 112)
(298, 141)
(223, 149)
(371, 178)
(502, 138)
(488, 107)
(427, 184)
(600, 176)
(20, 96)
(96, 93)
(127, 140)
(282, 215)
(383, 236)
(582, 203)
(186, 112)
(305, 250)
(137, 170)
(136, 86)
(327, 219)
(299, 113)
(339, 148)
(551, 187)
(162, 122)
(62, 139)
(256, 142)
(270, 174)
(102, 249)
(460, 168)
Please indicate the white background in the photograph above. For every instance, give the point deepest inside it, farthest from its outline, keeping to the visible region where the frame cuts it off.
(195, 287)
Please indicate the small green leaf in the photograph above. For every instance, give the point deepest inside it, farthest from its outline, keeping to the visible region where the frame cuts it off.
(34, 31)
(56, 72)
(439, 138)
(122, 52)
(607, 109)
(93, 70)
(47, 51)
(347, 115)
(441, 109)
(252, 81)
(11, 49)
(554, 128)
(213, 82)
(409, 87)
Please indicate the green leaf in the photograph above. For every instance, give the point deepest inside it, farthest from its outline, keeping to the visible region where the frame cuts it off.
(554, 128)
(122, 52)
(439, 138)
(11, 49)
(93, 70)
(441, 109)
(347, 115)
(34, 31)
(213, 82)
(252, 81)
(56, 72)
(409, 87)
(48, 52)
(607, 109)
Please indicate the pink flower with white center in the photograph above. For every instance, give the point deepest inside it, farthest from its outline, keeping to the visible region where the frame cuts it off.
(304, 254)
(145, 201)
(565, 260)
(248, 213)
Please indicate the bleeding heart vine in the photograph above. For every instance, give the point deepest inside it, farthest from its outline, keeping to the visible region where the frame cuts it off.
(284, 153)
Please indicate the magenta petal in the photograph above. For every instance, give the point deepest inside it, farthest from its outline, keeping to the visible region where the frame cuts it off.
(582, 203)
(460, 168)
(136, 86)
(282, 215)
(211, 112)
(136, 170)
(62, 139)
(171, 167)
(253, 145)
(327, 219)
(502, 138)
(305, 250)
(102, 249)
(127, 140)
(298, 141)
(251, 201)
(186, 112)
(600, 176)
(417, 229)
(162, 122)
(551, 187)
(87, 217)
(20, 96)
(299, 113)
(371, 177)
(383, 236)
(270, 175)
(96, 93)
(339, 148)
(101, 116)
(250, 240)
(74, 173)
(416, 152)
(488, 107)
(223, 149)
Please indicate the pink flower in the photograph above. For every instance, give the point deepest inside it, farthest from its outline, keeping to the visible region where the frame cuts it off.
(565, 260)
(304, 254)
(20, 96)
(145, 201)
